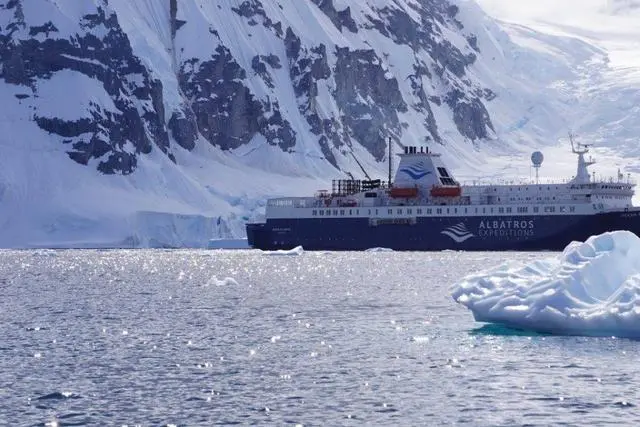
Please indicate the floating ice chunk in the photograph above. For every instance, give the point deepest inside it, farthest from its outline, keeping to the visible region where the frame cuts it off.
(298, 250)
(214, 281)
(592, 288)
(379, 250)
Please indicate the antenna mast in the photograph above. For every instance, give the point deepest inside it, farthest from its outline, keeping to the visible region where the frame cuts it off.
(390, 165)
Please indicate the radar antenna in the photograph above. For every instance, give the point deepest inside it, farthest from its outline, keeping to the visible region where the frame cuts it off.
(582, 174)
(581, 148)
(536, 160)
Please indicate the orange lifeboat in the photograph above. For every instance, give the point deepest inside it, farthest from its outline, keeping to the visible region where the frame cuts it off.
(446, 191)
(403, 192)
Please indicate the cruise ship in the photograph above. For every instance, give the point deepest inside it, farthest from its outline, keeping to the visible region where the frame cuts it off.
(424, 208)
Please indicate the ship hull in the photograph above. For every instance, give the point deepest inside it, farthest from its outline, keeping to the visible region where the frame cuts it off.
(472, 233)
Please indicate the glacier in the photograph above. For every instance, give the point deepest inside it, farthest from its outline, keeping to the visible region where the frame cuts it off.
(591, 289)
(153, 123)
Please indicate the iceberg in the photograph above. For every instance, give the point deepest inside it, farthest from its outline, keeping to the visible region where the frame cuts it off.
(591, 289)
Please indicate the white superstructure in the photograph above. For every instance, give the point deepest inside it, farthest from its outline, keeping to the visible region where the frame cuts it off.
(424, 186)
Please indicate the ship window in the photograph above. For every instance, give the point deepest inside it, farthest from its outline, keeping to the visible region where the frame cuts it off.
(350, 211)
(508, 210)
(500, 210)
(484, 210)
(370, 194)
(399, 211)
(335, 212)
(409, 211)
(321, 213)
(476, 210)
(328, 212)
(342, 212)
(572, 208)
(390, 211)
(439, 211)
(429, 211)
(369, 213)
(536, 209)
(447, 210)
(563, 208)
(357, 211)
(455, 210)
(465, 210)
(376, 211)
(314, 212)
(419, 211)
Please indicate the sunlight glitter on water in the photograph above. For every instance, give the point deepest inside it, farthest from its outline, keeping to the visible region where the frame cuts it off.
(318, 338)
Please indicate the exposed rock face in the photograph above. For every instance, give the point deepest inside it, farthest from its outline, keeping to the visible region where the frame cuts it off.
(115, 137)
(342, 93)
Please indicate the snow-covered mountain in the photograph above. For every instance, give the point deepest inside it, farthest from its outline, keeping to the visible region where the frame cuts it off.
(168, 122)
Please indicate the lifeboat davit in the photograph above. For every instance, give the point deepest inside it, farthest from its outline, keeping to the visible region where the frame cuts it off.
(446, 191)
(404, 192)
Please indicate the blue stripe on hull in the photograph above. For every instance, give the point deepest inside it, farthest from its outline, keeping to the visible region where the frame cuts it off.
(438, 233)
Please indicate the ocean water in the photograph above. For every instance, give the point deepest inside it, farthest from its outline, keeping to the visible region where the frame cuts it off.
(155, 337)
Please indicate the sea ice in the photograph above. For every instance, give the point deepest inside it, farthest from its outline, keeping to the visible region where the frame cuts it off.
(298, 250)
(214, 281)
(592, 289)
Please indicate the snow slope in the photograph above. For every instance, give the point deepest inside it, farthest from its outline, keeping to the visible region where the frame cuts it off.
(161, 123)
(603, 98)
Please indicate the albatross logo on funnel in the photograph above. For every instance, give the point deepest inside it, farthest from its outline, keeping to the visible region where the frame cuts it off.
(458, 232)
(416, 171)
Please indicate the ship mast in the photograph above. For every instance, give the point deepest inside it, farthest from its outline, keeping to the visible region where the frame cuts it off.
(390, 165)
(582, 174)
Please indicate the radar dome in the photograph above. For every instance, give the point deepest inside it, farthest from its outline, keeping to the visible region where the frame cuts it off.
(537, 158)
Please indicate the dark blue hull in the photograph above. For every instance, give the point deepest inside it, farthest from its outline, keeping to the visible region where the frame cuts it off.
(472, 233)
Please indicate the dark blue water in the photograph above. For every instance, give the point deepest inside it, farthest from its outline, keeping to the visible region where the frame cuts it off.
(153, 338)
